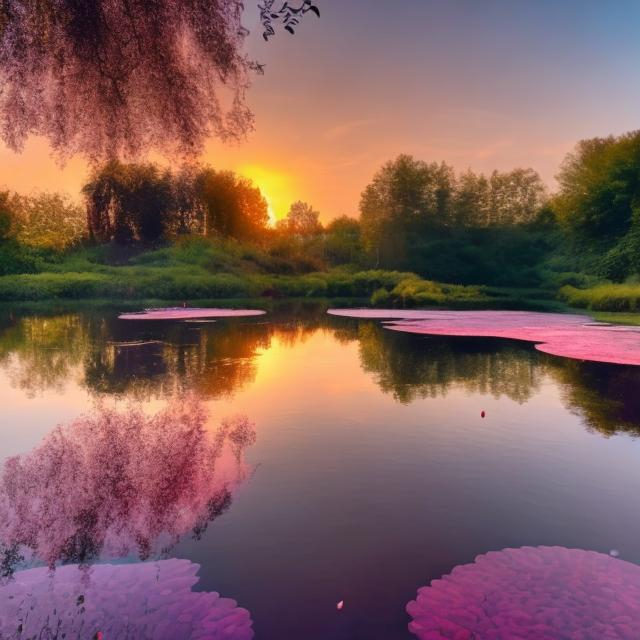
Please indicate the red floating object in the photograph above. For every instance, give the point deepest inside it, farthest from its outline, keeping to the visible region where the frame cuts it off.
(482, 414)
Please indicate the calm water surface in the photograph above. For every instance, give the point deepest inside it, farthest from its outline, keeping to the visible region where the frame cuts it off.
(373, 472)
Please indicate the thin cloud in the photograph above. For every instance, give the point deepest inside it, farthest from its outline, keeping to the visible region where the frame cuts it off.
(344, 129)
(491, 150)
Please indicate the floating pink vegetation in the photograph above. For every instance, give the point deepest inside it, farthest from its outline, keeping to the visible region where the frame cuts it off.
(530, 594)
(567, 335)
(187, 313)
(132, 601)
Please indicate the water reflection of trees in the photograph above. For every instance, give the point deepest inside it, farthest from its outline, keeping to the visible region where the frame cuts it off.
(109, 356)
(411, 367)
(605, 396)
(39, 353)
(142, 360)
(212, 359)
(113, 484)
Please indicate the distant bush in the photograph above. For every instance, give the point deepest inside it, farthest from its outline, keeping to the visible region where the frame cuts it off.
(415, 292)
(605, 297)
(381, 298)
(47, 221)
(556, 280)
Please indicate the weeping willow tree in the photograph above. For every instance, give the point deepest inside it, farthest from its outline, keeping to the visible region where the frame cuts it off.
(114, 78)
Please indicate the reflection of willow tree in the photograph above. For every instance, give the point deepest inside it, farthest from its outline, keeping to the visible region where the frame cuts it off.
(413, 367)
(605, 396)
(118, 483)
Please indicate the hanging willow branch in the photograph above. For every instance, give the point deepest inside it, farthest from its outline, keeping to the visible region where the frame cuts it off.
(287, 15)
(115, 78)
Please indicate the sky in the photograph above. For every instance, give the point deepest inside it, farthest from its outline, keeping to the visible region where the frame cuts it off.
(480, 84)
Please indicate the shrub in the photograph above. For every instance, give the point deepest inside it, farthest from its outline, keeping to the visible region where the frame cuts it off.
(414, 292)
(605, 297)
(381, 298)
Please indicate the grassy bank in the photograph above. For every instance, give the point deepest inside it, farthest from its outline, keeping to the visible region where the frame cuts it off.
(381, 288)
(196, 269)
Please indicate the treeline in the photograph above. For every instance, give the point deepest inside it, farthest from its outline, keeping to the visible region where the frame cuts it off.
(462, 228)
(129, 203)
(409, 195)
(143, 206)
(142, 203)
(501, 229)
(505, 229)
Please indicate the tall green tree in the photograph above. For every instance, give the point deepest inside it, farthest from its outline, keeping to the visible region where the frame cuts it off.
(598, 202)
(600, 187)
(471, 201)
(343, 241)
(405, 196)
(515, 197)
(128, 203)
(302, 221)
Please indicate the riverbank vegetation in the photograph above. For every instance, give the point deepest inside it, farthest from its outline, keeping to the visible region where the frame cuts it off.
(424, 235)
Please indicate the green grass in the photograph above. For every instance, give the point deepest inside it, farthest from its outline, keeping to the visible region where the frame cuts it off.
(617, 318)
(185, 282)
(195, 268)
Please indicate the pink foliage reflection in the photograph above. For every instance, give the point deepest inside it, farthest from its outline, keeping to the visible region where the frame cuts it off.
(123, 602)
(116, 483)
(532, 593)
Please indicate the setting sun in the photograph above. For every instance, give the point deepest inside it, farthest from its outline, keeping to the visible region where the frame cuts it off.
(276, 188)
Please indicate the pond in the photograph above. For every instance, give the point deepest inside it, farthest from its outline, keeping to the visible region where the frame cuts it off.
(371, 473)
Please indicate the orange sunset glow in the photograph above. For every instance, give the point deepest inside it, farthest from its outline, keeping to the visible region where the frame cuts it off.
(360, 86)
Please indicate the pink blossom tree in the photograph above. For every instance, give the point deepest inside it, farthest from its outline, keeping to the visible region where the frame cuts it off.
(117, 77)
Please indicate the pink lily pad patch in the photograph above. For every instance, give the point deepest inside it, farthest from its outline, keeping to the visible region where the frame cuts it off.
(529, 594)
(189, 313)
(566, 335)
(147, 601)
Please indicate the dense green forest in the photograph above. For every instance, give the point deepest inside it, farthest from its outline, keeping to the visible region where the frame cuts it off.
(423, 235)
